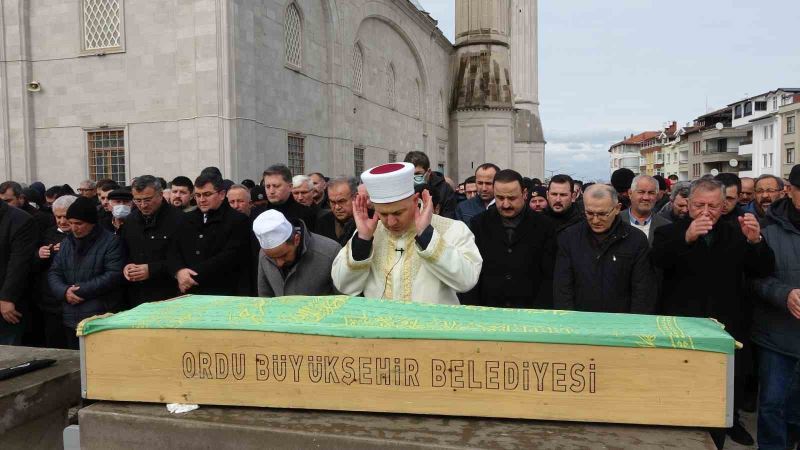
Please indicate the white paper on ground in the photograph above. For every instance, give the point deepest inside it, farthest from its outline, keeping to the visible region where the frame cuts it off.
(180, 408)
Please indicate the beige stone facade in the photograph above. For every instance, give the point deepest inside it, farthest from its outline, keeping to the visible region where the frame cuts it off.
(182, 85)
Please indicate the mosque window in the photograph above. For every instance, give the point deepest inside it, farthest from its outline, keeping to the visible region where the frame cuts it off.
(102, 24)
(293, 34)
(390, 81)
(297, 159)
(358, 68)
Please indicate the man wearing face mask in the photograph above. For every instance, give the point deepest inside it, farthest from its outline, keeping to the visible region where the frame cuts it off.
(119, 202)
(517, 247)
(705, 261)
(148, 233)
(423, 174)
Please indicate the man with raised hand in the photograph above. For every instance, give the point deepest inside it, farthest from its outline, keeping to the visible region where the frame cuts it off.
(405, 252)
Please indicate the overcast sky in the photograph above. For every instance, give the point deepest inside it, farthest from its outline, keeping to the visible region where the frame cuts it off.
(610, 68)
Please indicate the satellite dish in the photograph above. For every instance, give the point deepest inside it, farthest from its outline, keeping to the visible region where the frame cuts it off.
(719, 125)
(714, 172)
(733, 163)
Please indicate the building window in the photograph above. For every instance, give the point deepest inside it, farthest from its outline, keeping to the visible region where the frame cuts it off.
(696, 148)
(297, 159)
(767, 160)
(695, 170)
(774, 103)
(107, 155)
(390, 84)
(748, 109)
(789, 156)
(102, 24)
(790, 124)
(767, 131)
(358, 161)
(761, 106)
(737, 112)
(392, 157)
(358, 68)
(722, 145)
(293, 36)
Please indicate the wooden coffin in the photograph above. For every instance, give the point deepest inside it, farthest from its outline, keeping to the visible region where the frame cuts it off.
(355, 354)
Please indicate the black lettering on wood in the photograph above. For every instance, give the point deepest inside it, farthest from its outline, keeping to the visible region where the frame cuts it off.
(279, 367)
(578, 381)
(297, 362)
(238, 365)
(315, 370)
(438, 377)
(591, 379)
(382, 371)
(221, 366)
(511, 375)
(559, 377)
(205, 365)
(330, 369)
(364, 370)
(492, 374)
(189, 365)
(540, 370)
(349, 373)
(262, 367)
(457, 373)
(471, 378)
(412, 367)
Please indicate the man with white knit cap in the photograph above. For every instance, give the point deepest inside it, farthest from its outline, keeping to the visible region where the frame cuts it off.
(405, 252)
(292, 261)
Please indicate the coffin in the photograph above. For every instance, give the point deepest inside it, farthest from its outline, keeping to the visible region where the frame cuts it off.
(356, 354)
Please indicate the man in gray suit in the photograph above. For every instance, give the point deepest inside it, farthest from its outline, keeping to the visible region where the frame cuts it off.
(643, 193)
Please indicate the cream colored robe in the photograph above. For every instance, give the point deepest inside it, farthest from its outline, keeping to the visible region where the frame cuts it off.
(451, 263)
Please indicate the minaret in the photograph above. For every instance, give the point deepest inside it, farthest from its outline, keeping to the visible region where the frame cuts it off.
(482, 104)
(528, 136)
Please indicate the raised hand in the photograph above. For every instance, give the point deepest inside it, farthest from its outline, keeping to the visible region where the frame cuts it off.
(365, 226)
(422, 217)
(699, 227)
(750, 227)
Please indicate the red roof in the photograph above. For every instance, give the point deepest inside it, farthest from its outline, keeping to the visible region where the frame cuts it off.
(638, 139)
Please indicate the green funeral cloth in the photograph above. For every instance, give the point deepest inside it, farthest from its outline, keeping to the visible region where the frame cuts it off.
(356, 317)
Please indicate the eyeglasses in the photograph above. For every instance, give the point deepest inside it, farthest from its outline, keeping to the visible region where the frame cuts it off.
(598, 215)
(767, 191)
(205, 195)
(142, 201)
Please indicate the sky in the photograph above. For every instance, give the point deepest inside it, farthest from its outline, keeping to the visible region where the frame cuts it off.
(611, 68)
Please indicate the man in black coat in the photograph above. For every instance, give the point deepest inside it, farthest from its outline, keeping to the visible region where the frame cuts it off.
(211, 251)
(148, 233)
(518, 250)
(87, 271)
(278, 184)
(561, 200)
(12, 193)
(603, 263)
(338, 223)
(17, 247)
(424, 174)
(705, 261)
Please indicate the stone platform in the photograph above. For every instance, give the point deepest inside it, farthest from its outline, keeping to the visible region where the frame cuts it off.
(111, 425)
(34, 406)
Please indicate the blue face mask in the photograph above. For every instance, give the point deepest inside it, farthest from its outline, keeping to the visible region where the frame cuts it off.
(419, 179)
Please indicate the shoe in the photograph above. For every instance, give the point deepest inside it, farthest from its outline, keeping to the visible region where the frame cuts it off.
(740, 435)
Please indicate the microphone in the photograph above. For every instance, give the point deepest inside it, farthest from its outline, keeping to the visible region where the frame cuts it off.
(401, 250)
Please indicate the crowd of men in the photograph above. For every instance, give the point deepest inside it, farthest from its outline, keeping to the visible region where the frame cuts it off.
(723, 247)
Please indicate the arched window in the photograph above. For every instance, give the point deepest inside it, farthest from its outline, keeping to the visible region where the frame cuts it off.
(390, 80)
(358, 68)
(416, 99)
(293, 36)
